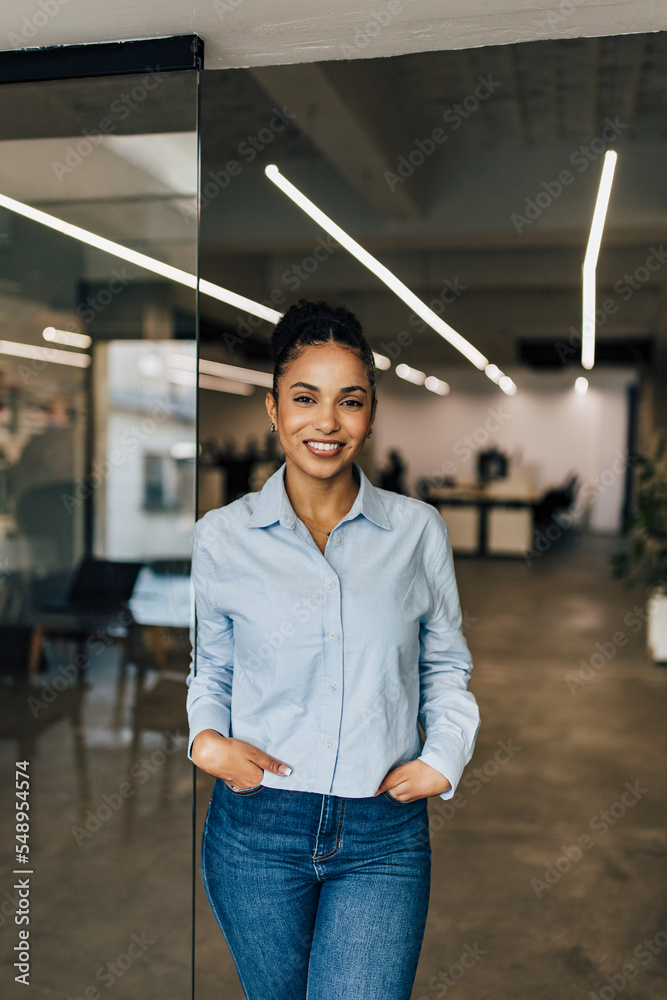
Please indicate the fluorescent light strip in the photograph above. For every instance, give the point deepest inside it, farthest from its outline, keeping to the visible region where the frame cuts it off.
(381, 361)
(378, 269)
(507, 385)
(437, 385)
(248, 375)
(140, 259)
(181, 377)
(591, 260)
(66, 337)
(48, 354)
(411, 374)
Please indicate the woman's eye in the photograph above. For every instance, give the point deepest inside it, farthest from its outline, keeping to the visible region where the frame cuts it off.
(355, 402)
(302, 399)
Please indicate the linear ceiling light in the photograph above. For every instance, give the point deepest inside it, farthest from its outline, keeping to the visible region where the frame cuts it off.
(182, 377)
(591, 260)
(248, 375)
(378, 269)
(48, 354)
(140, 259)
(67, 337)
(381, 361)
(411, 374)
(437, 385)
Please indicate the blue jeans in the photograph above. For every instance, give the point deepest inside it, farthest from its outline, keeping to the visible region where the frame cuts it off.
(319, 897)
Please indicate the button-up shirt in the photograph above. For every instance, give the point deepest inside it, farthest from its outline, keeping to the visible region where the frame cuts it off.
(328, 661)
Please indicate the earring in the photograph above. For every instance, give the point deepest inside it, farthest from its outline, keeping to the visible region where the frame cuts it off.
(273, 427)
(369, 433)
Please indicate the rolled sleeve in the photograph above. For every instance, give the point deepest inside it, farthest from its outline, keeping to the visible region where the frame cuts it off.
(209, 682)
(448, 711)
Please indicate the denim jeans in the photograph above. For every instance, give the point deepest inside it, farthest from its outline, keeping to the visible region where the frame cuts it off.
(319, 897)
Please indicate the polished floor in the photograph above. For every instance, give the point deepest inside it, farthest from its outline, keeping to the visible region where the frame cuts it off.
(548, 868)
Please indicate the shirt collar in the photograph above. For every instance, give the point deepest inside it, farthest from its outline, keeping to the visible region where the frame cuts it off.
(274, 505)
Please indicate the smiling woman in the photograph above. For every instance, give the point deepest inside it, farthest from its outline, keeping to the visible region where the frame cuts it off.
(314, 665)
(326, 409)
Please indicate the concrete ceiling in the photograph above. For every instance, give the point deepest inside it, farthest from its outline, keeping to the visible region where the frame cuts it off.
(451, 228)
(274, 32)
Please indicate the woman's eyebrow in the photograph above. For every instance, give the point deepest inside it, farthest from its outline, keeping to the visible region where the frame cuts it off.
(314, 388)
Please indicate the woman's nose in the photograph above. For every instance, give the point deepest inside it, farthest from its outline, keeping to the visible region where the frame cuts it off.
(326, 421)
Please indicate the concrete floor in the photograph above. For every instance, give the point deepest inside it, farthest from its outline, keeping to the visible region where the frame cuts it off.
(519, 811)
(548, 872)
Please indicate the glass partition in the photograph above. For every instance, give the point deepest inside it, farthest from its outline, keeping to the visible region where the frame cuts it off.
(98, 319)
(472, 176)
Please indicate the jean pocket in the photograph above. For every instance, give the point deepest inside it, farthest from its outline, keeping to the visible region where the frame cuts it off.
(243, 791)
(392, 798)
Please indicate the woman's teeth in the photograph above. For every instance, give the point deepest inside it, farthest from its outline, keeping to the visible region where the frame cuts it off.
(319, 446)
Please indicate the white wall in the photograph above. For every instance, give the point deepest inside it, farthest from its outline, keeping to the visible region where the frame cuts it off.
(545, 425)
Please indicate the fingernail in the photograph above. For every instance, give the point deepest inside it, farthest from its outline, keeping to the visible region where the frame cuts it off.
(284, 769)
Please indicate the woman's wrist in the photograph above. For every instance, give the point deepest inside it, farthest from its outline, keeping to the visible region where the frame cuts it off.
(204, 742)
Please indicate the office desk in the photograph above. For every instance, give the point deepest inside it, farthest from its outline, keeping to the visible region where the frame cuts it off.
(483, 522)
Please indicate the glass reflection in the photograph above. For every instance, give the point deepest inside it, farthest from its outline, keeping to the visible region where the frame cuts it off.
(97, 503)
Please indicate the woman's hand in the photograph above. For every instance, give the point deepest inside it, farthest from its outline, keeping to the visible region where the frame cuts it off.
(238, 763)
(414, 780)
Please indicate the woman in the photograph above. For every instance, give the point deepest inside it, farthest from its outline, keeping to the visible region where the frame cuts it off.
(328, 624)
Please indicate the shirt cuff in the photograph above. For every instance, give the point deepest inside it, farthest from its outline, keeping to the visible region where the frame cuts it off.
(449, 757)
(207, 717)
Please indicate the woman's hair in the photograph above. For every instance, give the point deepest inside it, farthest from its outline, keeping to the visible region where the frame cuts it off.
(317, 323)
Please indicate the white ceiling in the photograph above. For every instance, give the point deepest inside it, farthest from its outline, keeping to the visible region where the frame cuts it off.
(271, 32)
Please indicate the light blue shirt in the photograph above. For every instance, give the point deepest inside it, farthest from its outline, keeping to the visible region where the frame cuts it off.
(328, 661)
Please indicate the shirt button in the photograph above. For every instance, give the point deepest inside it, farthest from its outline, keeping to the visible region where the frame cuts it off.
(330, 584)
(329, 742)
(332, 687)
(336, 538)
(332, 635)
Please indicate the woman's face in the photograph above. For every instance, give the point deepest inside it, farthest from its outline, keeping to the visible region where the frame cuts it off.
(324, 409)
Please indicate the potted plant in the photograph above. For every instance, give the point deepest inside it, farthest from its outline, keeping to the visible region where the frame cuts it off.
(646, 559)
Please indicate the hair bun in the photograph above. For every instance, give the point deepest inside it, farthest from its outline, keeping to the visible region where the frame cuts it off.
(317, 318)
(317, 323)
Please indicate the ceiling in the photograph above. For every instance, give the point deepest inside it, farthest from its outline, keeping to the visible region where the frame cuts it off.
(456, 228)
(241, 33)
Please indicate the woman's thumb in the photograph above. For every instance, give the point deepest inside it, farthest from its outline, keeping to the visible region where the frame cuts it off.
(273, 765)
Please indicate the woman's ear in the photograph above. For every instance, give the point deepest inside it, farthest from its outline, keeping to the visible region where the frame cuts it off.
(271, 407)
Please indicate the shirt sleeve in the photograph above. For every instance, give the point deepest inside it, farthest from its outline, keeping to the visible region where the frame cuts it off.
(212, 659)
(448, 712)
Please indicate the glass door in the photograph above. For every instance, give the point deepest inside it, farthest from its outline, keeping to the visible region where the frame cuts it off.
(98, 322)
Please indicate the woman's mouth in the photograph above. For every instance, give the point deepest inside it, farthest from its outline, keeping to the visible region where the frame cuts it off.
(324, 449)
